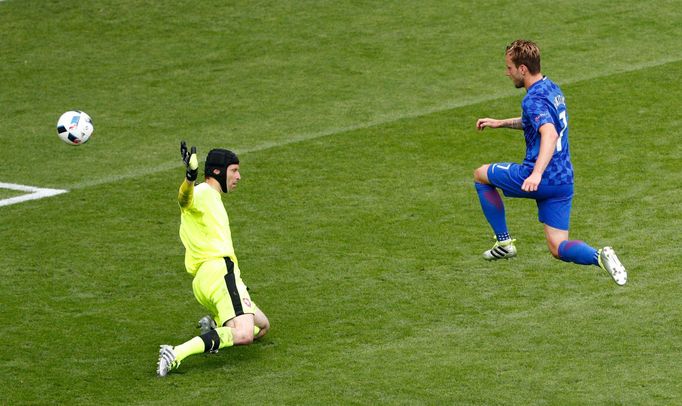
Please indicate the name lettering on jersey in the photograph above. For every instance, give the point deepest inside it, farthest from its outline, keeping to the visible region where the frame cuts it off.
(559, 100)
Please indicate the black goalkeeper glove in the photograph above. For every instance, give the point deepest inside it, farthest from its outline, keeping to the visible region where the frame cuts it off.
(190, 160)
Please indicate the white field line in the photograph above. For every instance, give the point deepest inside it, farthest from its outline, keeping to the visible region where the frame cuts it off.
(385, 119)
(32, 192)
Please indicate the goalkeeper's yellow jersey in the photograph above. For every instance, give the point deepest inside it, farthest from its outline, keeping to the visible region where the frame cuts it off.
(204, 226)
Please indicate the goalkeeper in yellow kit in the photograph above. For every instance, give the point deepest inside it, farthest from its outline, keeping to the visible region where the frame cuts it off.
(210, 259)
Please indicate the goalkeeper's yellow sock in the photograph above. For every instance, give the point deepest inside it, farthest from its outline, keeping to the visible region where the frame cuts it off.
(211, 341)
(191, 347)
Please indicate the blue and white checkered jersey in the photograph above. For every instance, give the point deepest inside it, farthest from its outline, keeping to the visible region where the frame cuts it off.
(544, 103)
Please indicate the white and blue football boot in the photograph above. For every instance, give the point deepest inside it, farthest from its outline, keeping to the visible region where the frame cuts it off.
(166, 361)
(501, 250)
(608, 261)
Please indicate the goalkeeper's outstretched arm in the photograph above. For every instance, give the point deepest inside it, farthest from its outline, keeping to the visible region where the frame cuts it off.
(186, 193)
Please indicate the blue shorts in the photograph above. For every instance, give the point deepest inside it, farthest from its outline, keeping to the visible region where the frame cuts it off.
(553, 201)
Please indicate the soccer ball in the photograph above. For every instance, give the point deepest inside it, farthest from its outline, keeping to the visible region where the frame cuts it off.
(75, 127)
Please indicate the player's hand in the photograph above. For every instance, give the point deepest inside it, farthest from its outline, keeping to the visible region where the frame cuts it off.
(482, 123)
(190, 160)
(531, 183)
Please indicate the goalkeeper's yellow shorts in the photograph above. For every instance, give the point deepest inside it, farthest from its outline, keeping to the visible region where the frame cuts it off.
(219, 288)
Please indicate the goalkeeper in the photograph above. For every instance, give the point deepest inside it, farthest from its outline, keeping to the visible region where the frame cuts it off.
(209, 257)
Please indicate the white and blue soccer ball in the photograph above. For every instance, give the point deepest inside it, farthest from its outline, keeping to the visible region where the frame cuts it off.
(75, 127)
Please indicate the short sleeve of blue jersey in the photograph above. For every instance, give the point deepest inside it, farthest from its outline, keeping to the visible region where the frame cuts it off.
(537, 112)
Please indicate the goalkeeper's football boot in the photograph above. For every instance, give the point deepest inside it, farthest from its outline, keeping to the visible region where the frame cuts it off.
(608, 261)
(501, 250)
(167, 360)
(206, 324)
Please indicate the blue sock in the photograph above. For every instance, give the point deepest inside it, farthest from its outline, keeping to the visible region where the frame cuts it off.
(493, 209)
(577, 252)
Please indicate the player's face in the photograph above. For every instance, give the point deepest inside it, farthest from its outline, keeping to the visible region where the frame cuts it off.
(233, 176)
(513, 72)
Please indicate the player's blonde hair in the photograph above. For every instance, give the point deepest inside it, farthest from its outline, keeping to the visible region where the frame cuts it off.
(524, 52)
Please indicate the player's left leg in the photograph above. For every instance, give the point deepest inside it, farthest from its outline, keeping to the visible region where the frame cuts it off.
(260, 325)
(575, 251)
(554, 211)
(260, 328)
(578, 252)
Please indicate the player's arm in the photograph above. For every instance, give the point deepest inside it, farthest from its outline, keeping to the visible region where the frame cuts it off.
(548, 139)
(514, 123)
(186, 193)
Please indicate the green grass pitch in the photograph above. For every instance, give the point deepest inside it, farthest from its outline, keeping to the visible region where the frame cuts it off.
(356, 223)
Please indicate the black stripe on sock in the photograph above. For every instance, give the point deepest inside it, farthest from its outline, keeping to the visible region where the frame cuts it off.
(211, 341)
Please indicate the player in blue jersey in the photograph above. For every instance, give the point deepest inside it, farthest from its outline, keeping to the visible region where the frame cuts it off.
(546, 174)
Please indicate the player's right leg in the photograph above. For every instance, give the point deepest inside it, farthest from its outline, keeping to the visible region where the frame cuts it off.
(170, 357)
(167, 360)
(493, 210)
(501, 250)
(209, 286)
